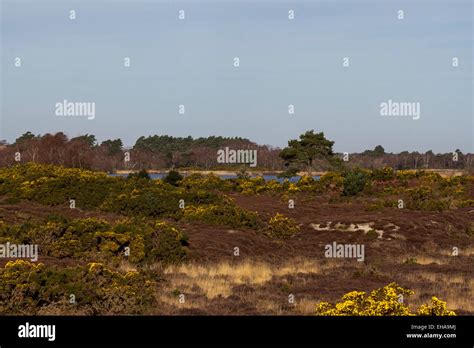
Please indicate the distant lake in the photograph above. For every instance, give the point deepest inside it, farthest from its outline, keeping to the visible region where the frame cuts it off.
(228, 176)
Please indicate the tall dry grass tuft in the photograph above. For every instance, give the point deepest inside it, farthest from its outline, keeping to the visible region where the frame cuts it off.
(456, 290)
(219, 279)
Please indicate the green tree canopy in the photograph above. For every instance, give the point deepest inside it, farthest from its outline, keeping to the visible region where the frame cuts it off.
(168, 144)
(379, 150)
(89, 139)
(310, 147)
(114, 146)
(25, 137)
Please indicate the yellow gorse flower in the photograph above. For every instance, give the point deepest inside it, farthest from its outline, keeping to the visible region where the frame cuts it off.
(386, 301)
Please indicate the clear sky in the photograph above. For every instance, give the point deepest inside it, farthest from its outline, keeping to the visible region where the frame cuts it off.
(282, 62)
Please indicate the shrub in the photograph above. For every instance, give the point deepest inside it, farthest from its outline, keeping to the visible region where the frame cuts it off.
(173, 178)
(155, 199)
(226, 214)
(95, 239)
(382, 174)
(431, 177)
(281, 227)
(54, 185)
(166, 244)
(405, 175)
(372, 234)
(355, 182)
(307, 183)
(411, 261)
(142, 174)
(252, 186)
(150, 201)
(273, 186)
(243, 174)
(289, 173)
(437, 308)
(423, 198)
(206, 182)
(31, 288)
(381, 302)
(332, 181)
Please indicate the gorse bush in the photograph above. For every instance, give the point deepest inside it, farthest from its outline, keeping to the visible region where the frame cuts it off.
(207, 182)
(331, 181)
(430, 177)
(139, 196)
(157, 199)
(406, 175)
(436, 308)
(53, 185)
(148, 201)
(382, 174)
(307, 183)
(281, 227)
(252, 186)
(424, 198)
(166, 244)
(384, 301)
(96, 239)
(228, 214)
(31, 288)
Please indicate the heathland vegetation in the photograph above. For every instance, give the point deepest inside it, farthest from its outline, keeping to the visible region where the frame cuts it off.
(199, 244)
(118, 236)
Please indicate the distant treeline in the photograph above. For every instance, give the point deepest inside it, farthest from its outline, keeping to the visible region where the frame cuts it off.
(164, 152)
(414, 160)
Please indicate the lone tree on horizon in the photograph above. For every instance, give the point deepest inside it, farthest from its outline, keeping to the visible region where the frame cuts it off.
(310, 147)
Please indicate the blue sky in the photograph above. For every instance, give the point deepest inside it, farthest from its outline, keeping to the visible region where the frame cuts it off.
(282, 62)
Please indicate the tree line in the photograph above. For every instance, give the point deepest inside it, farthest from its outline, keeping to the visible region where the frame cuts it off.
(312, 151)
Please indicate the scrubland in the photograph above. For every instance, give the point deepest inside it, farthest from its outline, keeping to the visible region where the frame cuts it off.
(203, 245)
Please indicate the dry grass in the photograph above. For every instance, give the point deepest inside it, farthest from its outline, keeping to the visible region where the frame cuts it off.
(444, 257)
(442, 278)
(428, 260)
(246, 272)
(455, 296)
(306, 306)
(466, 251)
(456, 290)
(174, 302)
(219, 279)
(126, 266)
(270, 307)
(258, 285)
(457, 303)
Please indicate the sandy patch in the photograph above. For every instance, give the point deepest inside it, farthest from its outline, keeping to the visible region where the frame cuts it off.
(364, 227)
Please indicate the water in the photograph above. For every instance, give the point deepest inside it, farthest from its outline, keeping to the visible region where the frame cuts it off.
(155, 176)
